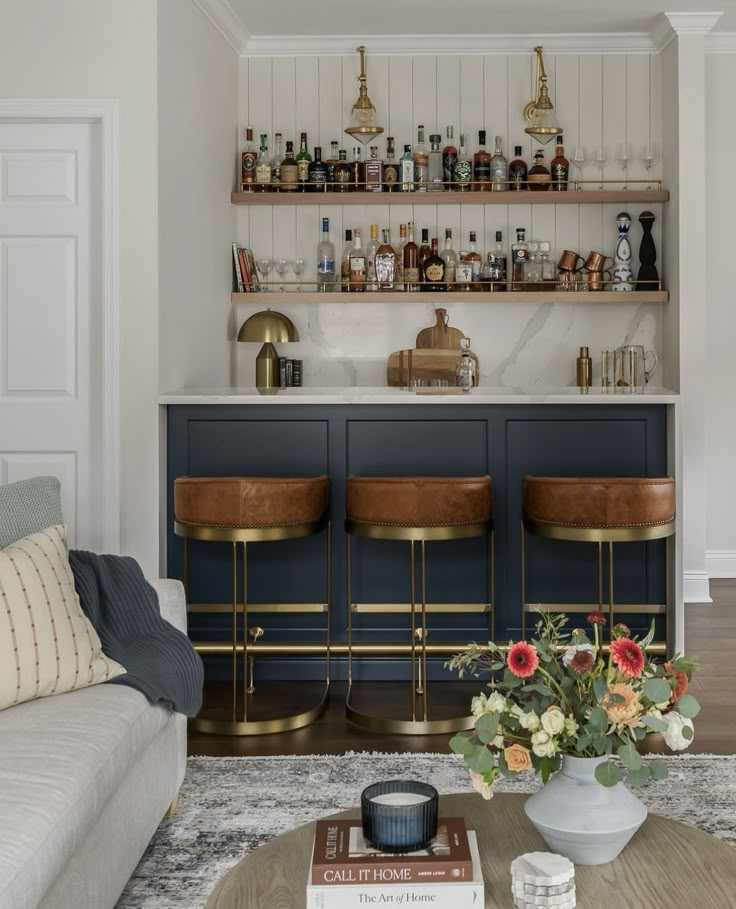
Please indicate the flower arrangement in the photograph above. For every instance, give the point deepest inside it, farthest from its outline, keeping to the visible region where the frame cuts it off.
(562, 694)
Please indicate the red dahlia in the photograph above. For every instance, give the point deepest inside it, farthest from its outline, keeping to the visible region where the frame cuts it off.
(582, 661)
(596, 618)
(681, 679)
(522, 660)
(628, 656)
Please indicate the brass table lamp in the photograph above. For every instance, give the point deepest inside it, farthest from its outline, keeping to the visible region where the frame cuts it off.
(268, 326)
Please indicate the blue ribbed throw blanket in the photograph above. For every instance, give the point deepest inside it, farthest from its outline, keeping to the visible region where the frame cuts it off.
(123, 608)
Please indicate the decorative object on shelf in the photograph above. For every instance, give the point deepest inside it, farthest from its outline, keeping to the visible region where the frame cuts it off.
(465, 368)
(268, 326)
(622, 273)
(594, 270)
(440, 336)
(648, 273)
(536, 111)
(363, 126)
(563, 702)
(543, 879)
(399, 815)
(631, 372)
(584, 369)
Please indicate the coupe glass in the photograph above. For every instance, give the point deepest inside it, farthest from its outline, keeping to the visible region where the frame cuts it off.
(298, 266)
(600, 161)
(578, 159)
(649, 159)
(282, 267)
(624, 159)
(264, 267)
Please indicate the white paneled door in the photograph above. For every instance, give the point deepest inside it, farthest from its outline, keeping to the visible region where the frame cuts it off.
(51, 315)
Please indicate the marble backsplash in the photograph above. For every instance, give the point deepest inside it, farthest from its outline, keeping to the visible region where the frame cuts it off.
(517, 344)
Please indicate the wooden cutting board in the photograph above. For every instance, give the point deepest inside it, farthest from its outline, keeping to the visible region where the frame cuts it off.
(427, 364)
(440, 336)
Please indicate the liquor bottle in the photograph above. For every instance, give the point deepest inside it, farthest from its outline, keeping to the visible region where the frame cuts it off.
(560, 167)
(331, 162)
(493, 273)
(449, 257)
(465, 369)
(549, 272)
(278, 155)
(373, 171)
(385, 264)
(518, 171)
(263, 167)
(411, 261)
(249, 160)
(342, 175)
(326, 260)
(390, 167)
(519, 254)
(463, 274)
(476, 260)
(462, 172)
(399, 280)
(303, 160)
(425, 251)
(357, 263)
(421, 162)
(435, 271)
(449, 157)
(482, 165)
(406, 171)
(435, 168)
(289, 170)
(356, 170)
(370, 259)
(345, 260)
(533, 268)
(538, 176)
(499, 169)
(317, 173)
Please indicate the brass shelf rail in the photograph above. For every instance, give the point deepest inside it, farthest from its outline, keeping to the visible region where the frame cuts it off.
(301, 648)
(453, 296)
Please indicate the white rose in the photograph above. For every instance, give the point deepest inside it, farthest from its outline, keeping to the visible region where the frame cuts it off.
(478, 706)
(543, 745)
(540, 738)
(553, 721)
(569, 655)
(498, 741)
(673, 733)
(496, 703)
(529, 721)
(571, 726)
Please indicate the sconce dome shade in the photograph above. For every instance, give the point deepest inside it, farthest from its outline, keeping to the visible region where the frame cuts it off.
(268, 325)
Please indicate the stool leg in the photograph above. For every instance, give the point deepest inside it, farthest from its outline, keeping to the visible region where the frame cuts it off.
(424, 628)
(235, 633)
(350, 611)
(523, 582)
(186, 567)
(413, 638)
(329, 601)
(420, 683)
(492, 588)
(245, 632)
(600, 577)
(667, 605)
(610, 590)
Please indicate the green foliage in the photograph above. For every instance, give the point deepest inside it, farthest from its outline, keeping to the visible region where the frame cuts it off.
(654, 723)
(607, 774)
(630, 756)
(600, 688)
(598, 719)
(462, 743)
(687, 732)
(638, 777)
(657, 690)
(687, 706)
(487, 727)
(480, 759)
(658, 769)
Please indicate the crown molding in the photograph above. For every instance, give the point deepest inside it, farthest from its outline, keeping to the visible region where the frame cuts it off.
(721, 43)
(227, 22)
(671, 25)
(340, 45)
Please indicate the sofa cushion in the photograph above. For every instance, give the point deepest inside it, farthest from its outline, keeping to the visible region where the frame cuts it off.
(60, 761)
(27, 507)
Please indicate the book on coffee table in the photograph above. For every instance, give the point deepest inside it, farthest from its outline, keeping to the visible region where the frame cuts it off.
(341, 855)
(460, 894)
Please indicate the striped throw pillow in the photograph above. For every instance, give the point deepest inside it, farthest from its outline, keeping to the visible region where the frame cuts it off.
(47, 644)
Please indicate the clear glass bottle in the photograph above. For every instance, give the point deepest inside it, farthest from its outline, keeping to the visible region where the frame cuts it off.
(373, 170)
(462, 172)
(406, 171)
(449, 157)
(519, 254)
(303, 160)
(436, 173)
(421, 162)
(474, 257)
(518, 172)
(549, 272)
(390, 167)
(345, 261)
(385, 264)
(499, 169)
(465, 370)
(317, 172)
(482, 165)
(533, 267)
(248, 161)
(449, 256)
(289, 170)
(399, 280)
(435, 272)
(342, 175)
(538, 177)
(493, 272)
(357, 263)
(326, 260)
(276, 163)
(356, 171)
(370, 260)
(263, 167)
(411, 261)
(331, 162)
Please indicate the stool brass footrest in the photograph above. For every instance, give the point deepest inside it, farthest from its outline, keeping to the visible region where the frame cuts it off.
(619, 608)
(392, 726)
(261, 727)
(429, 607)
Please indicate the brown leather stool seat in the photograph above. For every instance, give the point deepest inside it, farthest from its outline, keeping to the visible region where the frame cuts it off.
(251, 501)
(419, 501)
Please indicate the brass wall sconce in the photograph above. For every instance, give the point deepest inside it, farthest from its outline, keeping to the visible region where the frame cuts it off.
(268, 326)
(363, 126)
(536, 111)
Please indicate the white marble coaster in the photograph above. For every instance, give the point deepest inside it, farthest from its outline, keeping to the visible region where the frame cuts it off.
(543, 869)
(559, 901)
(532, 890)
(521, 903)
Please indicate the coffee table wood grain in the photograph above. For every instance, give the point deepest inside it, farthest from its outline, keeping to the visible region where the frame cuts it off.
(667, 865)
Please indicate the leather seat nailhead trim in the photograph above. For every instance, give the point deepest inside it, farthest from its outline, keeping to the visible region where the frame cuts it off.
(394, 524)
(250, 526)
(601, 526)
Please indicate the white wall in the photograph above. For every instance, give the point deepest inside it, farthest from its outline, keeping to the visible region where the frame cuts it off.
(721, 316)
(107, 49)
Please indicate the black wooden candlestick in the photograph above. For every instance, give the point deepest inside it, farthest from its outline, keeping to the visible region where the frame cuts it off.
(647, 255)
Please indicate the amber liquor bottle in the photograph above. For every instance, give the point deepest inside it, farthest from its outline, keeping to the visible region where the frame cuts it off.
(303, 160)
(289, 170)
(434, 271)
(356, 171)
(342, 175)
(518, 172)
(248, 162)
(373, 171)
(390, 167)
(560, 167)
(482, 165)
(385, 263)
(425, 251)
(538, 175)
(411, 262)
(449, 157)
(331, 162)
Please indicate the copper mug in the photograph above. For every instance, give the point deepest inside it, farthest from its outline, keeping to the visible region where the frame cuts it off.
(593, 280)
(596, 261)
(569, 261)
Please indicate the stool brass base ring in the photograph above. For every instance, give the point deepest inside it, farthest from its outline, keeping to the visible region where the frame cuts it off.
(419, 532)
(392, 726)
(261, 727)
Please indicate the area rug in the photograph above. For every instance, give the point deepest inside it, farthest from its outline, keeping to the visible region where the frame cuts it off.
(230, 806)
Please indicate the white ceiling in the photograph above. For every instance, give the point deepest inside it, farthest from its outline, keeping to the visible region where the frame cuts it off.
(464, 17)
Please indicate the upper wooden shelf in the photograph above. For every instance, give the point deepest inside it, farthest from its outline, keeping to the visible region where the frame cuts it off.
(443, 197)
(528, 296)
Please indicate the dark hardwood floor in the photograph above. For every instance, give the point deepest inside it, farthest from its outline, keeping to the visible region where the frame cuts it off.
(710, 635)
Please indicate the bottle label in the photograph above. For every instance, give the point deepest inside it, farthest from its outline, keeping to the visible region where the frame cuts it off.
(289, 174)
(357, 269)
(411, 275)
(373, 175)
(463, 272)
(303, 171)
(519, 255)
(318, 176)
(390, 174)
(538, 178)
(326, 267)
(448, 165)
(559, 173)
(263, 173)
(249, 166)
(434, 271)
(342, 175)
(517, 176)
(463, 172)
(482, 172)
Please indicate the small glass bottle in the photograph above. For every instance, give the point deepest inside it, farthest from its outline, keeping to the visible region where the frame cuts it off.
(449, 157)
(462, 172)
(533, 267)
(357, 263)
(390, 167)
(449, 256)
(331, 162)
(289, 170)
(278, 155)
(303, 160)
(465, 370)
(518, 172)
(406, 171)
(248, 161)
(560, 167)
(263, 167)
(421, 162)
(385, 264)
(434, 271)
(499, 169)
(341, 175)
(482, 165)
(493, 273)
(317, 173)
(549, 272)
(538, 176)
(436, 173)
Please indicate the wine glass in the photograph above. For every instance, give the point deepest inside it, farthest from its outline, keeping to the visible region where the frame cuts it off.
(648, 159)
(624, 159)
(264, 267)
(298, 266)
(600, 161)
(578, 159)
(282, 267)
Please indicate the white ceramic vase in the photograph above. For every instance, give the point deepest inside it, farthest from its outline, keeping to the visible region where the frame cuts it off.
(579, 818)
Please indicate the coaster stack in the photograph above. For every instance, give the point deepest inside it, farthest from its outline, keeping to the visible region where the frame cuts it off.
(544, 880)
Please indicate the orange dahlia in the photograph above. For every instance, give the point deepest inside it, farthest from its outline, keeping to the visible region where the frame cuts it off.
(681, 680)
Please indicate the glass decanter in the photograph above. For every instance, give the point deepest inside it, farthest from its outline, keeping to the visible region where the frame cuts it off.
(465, 369)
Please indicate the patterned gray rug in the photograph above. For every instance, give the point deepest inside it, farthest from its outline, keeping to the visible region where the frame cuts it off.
(230, 806)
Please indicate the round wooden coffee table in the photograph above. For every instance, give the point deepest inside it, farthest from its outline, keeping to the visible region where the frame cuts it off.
(666, 864)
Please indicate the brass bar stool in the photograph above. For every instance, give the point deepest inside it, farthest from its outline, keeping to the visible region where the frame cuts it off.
(600, 510)
(247, 510)
(417, 510)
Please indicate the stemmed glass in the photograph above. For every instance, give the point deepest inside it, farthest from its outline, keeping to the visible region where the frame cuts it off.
(578, 159)
(648, 159)
(282, 267)
(298, 266)
(264, 267)
(600, 161)
(624, 159)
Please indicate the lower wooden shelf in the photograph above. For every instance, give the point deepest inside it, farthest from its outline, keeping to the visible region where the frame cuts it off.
(607, 296)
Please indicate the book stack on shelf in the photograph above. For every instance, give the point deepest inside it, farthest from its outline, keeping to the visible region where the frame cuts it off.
(347, 872)
(244, 267)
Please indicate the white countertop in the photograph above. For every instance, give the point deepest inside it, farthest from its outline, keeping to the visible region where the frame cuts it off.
(386, 395)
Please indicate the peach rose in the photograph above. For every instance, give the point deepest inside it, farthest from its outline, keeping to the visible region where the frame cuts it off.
(517, 758)
(480, 785)
(626, 712)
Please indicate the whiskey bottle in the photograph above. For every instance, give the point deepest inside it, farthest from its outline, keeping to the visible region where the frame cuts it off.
(499, 169)
(289, 170)
(345, 261)
(519, 256)
(357, 263)
(385, 264)
(411, 261)
(425, 251)
(560, 167)
(370, 259)
(342, 175)
(278, 155)
(373, 170)
(390, 167)
(434, 271)
(462, 172)
(356, 171)
(482, 165)
(303, 160)
(263, 167)
(406, 171)
(331, 162)
(538, 176)
(399, 279)
(493, 273)
(249, 160)
(449, 157)
(317, 173)
(326, 260)
(518, 172)
(449, 257)
(421, 162)
(474, 257)
(435, 170)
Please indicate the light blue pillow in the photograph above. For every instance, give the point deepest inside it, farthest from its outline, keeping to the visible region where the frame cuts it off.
(27, 507)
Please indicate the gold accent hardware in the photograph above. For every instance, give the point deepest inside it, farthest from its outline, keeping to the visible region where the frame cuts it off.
(431, 607)
(268, 326)
(363, 115)
(218, 648)
(214, 534)
(536, 111)
(255, 634)
(259, 607)
(630, 608)
(418, 534)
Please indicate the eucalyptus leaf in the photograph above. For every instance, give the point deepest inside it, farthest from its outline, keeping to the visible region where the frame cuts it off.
(687, 706)
(658, 770)
(462, 743)
(600, 689)
(686, 733)
(657, 690)
(607, 774)
(638, 777)
(598, 719)
(480, 760)
(654, 723)
(583, 741)
(486, 727)
(630, 756)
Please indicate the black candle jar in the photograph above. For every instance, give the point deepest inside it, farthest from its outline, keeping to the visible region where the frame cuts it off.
(399, 815)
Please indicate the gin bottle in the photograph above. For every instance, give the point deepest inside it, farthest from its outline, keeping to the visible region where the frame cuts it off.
(436, 173)
(499, 169)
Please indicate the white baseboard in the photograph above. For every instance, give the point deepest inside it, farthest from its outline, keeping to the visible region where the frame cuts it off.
(696, 587)
(721, 563)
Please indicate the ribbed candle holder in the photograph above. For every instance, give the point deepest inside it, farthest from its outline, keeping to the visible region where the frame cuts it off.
(399, 815)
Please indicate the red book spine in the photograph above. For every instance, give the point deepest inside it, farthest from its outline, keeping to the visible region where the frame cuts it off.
(245, 271)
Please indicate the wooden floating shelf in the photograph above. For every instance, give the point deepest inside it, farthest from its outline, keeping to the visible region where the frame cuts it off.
(526, 296)
(548, 197)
